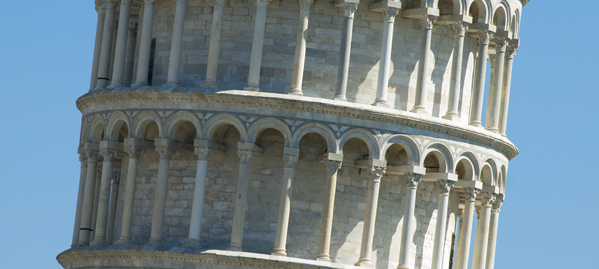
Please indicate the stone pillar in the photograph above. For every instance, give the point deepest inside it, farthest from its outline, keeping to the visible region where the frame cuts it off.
(463, 247)
(96, 198)
(423, 78)
(114, 198)
(409, 221)
(290, 158)
(443, 187)
(91, 153)
(165, 148)
(300, 48)
(482, 231)
(345, 50)
(134, 148)
(382, 87)
(460, 234)
(494, 102)
(245, 151)
(257, 45)
(203, 151)
(214, 50)
(118, 70)
(106, 50)
(101, 9)
(333, 163)
(505, 94)
(176, 45)
(109, 151)
(130, 55)
(490, 264)
(456, 72)
(145, 44)
(80, 193)
(372, 199)
(478, 91)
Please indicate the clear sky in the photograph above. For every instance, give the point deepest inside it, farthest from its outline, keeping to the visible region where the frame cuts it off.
(550, 217)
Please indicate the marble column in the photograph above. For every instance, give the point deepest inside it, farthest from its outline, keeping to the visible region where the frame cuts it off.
(214, 49)
(133, 147)
(478, 91)
(423, 79)
(106, 50)
(120, 52)
(101, 10)
(372, 199)
(494, 102)
(96, 198)
(165, 148)
(176, 45)
(114, 198)
(246, 153)
(91, 153)
(490, 263)
(333, 164)
(460, 223)
(300, 48)
(463, 247)
(409, 221)
(482, 231)
(82, 176)
(257, 45)
(290, 159)
(456, 72)
(345, 50)
(505, 94)
(382, 87)
(109, 151)
(145, 44)
(203, 151)
(443, 187)
(130, 55)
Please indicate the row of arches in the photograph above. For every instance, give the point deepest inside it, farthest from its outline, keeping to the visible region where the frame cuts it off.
(185, 126)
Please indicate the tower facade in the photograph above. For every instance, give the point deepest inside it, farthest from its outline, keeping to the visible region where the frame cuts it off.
(295, 134)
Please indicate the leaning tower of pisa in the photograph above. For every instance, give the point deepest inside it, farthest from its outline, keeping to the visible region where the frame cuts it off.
(295, 134)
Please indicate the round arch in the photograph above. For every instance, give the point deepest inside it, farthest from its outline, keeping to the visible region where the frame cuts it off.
(317, 128)
(443, 154)
(142, 120)
(407, 143)
(479, 10)
(115, 123)
(364, 135)
(96, 129)
(269, 123)
(224, 119)
(175, 120)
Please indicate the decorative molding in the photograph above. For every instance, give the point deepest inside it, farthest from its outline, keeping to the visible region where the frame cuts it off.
(377, 172)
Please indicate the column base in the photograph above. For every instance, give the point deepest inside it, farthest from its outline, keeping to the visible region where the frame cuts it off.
(297, 92)
(124, 241)
(402, 267)
(381, 104)
(191, 242)
(340, 98)
(98, 242)
(365, 264)
(233, 247)
(476, 124)
(209, 84)
(140, 84)
(171, 84)
(452, 116)
(323, 257)
(419, 110)
(252, 88)
(279, 252)
(114, 86)
(494, 130)
(154, 242)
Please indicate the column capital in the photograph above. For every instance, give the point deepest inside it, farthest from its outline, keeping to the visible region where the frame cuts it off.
(262, 3)
(349, 7)
(219, 3)
(460, 28)
(290, 160)
(133, 147)
(427, 21)
(132, 26)
(101, 7)
(484, 36)
(305, 5)
(501, 43)
(496, 206)
(165, 147)
(332, 166)
(150, 2)
(511, 51)
(203, 152)
(471, 193)
(487, 199)
(91, 151)
(412, 179)
(444, 186)
(460, 213)
(376, 173)
(108, 151)
(245, 155)
(389, 14)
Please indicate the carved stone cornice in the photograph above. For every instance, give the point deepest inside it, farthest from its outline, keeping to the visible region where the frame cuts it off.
(95, 102)
(376, 173)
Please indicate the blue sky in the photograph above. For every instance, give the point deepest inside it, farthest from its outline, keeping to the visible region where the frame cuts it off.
(549, 218)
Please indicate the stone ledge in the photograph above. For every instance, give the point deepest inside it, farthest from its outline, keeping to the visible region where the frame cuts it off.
(300, 103)
(137, 256)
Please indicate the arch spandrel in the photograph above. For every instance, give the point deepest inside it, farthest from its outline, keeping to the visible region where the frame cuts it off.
(142, 120)
(178, 118)
(317, 128)
(218, 121)
(364, 135)
(269, 123)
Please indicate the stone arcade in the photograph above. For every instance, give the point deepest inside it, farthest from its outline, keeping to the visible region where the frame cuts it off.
(286, 134)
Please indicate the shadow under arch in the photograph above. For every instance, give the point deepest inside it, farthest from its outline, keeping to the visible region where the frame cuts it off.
(117, 124)
(179, 118)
